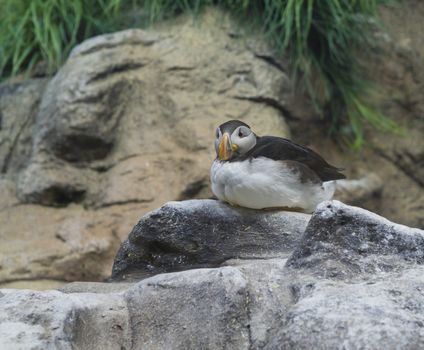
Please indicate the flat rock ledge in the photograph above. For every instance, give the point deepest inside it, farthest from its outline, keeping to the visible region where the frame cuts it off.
(351, 280)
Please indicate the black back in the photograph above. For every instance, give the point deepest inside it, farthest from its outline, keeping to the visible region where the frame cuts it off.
(278, 148)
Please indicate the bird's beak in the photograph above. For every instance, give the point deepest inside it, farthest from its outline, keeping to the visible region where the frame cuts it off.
(225, 149)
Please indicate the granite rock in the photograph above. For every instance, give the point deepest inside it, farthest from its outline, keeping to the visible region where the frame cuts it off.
(205, 233)
(353, 280)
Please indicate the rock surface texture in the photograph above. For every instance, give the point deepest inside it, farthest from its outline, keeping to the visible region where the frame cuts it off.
(205, 233)
(127, 124)
(396, 65)
(353, 280)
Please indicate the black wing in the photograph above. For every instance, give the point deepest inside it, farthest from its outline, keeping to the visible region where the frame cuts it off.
(278, 148)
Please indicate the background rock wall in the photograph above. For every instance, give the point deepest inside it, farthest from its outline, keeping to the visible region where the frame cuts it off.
(125, 125)
(128, 123)
(397, 68)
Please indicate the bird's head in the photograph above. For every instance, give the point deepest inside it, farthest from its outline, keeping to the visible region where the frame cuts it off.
(233, 138)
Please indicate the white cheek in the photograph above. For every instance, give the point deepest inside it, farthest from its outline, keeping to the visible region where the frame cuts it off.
(245, 143)
(235, 139)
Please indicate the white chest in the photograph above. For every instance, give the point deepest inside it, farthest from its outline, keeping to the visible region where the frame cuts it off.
(264, 183)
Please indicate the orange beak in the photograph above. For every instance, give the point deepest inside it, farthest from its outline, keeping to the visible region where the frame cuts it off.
(224, 149)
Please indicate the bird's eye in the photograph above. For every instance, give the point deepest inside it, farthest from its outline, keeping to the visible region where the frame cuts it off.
(243, 132)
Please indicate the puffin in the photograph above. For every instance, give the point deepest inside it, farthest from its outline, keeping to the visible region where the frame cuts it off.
(268, 172)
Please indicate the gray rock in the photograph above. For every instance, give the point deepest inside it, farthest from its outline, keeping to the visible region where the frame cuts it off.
(18, 108)
(53, 320)
(342, 241)
(354, 281)
(95, 287)
(384, 312)
(198, 309)
(269, 287)
(204, 233)
(123, 109)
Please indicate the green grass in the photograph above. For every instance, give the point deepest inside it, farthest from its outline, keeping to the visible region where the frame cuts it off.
(320, 37)
(46, 30)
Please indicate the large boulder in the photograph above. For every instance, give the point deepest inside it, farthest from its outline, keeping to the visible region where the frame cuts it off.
(199, 309)
(205, 233)
(55, 320)
(123, 101)
(342, 241)
(125, 125)
(354, 280)
(358, 284)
